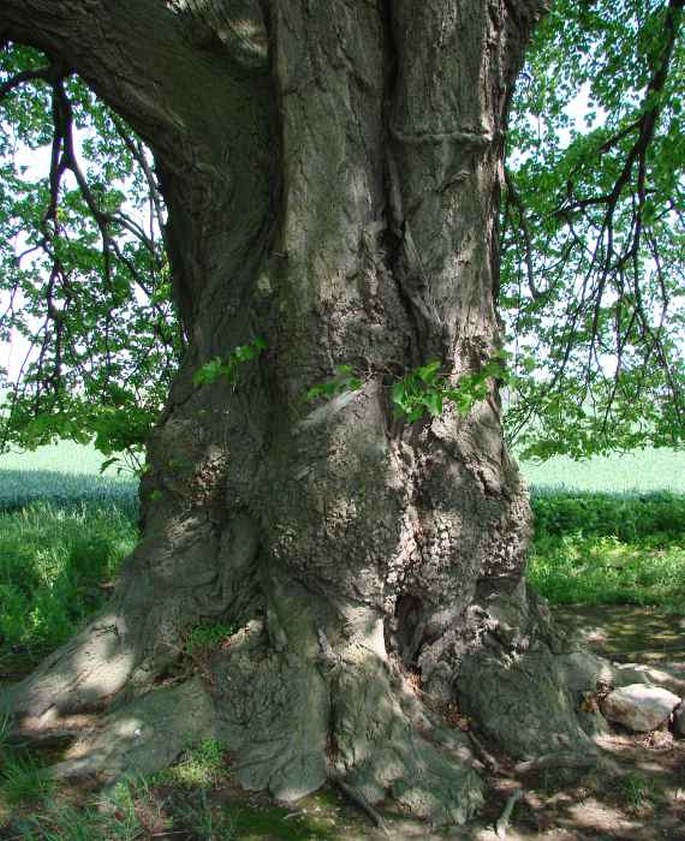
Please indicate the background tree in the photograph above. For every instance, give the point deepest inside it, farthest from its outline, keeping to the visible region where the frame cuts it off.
(332, 177)
(593, 231)
(85, 279)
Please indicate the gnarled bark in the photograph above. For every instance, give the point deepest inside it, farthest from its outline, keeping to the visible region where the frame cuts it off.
(332, 174)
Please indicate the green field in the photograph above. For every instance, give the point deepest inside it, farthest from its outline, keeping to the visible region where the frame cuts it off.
(639, 471)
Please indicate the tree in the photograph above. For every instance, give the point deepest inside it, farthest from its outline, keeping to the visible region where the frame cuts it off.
(593, 231)
(85, 280)
(332, 175)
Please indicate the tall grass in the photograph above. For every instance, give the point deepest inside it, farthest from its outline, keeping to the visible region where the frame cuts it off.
(62, 538)
(55, 563)
(610, 549)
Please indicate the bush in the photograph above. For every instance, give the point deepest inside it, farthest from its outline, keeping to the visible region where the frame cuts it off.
(625, 516)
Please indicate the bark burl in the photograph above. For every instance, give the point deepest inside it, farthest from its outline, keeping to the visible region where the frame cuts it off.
(332, 172)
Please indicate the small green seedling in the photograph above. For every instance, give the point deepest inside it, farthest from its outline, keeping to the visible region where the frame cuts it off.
(423, 392)
(228, 367)
(202, 638)
(344, 380)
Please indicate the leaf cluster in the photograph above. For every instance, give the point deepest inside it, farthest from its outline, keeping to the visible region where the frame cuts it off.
(423, 392)
(593, 259)
(229, 366)
(344, 380)
(85, 286)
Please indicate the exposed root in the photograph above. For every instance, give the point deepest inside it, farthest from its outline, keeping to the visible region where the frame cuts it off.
(484, 754)
(294, 721)
(389, 746)
(81, 675)
(143, 736)
(356, 797)
(503, 822)
(560, 760)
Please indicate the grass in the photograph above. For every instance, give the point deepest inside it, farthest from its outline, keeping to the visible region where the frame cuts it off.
(63, 535)
(65, 457)
(610, 549)
(203, 803)
(640, 471)
(55, 565)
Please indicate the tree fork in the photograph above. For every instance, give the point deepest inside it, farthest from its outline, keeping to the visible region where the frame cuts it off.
(332, 177)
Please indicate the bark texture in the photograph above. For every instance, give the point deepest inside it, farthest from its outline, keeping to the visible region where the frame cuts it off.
(332, 174)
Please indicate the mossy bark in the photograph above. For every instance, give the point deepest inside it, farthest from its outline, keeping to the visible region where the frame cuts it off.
(332, 175)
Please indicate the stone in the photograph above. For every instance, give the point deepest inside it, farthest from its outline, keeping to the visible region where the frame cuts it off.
(639, 707)
(679, 721)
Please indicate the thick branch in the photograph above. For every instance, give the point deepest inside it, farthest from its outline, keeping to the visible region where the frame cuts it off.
(140, 58)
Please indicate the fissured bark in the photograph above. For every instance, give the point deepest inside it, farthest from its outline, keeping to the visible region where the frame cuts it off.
(332, 175)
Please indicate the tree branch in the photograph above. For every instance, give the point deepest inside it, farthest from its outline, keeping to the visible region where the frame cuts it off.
(140, 58)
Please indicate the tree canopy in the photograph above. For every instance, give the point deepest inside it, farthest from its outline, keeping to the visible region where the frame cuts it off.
(592, 288)
(84, 279)
(593, 230)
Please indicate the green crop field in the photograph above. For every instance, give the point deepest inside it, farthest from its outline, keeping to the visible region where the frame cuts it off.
(638, 471)
(64, 457)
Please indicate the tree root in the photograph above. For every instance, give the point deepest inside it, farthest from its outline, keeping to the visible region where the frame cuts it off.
(356, 797)
(81, 675)
(483, 753)
(561, 759)
(143, 736)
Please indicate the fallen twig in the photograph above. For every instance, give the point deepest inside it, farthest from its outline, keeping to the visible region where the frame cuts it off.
(505, 817)
(483, 754)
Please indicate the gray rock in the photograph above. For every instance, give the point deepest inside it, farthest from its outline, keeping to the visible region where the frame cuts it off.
(638, 707)
(679, 721)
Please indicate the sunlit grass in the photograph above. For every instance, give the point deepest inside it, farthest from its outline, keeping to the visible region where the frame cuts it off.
(55, 567)
(603, 570)
(610, 549)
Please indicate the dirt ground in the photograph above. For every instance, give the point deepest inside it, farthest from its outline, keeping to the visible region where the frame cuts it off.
(636, 794)
(640, 793)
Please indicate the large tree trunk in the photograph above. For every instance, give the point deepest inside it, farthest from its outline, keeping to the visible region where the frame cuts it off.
(332, 174)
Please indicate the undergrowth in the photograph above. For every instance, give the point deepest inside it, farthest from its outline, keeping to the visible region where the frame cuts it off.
(610, 549)
(194, 799)
(56, 567)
